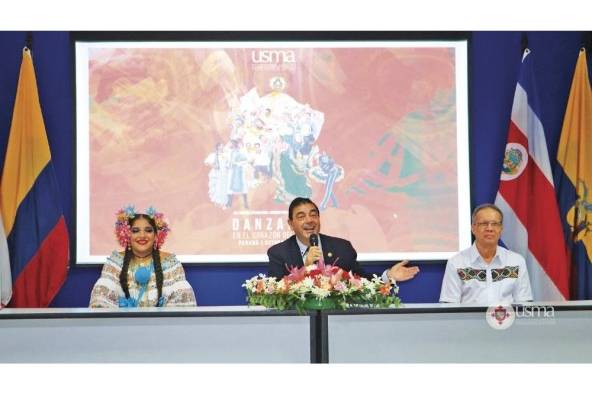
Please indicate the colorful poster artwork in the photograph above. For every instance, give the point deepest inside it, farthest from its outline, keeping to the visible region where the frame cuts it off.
(222, 139)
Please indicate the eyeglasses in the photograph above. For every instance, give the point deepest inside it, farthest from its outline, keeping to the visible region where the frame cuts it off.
(487, 224)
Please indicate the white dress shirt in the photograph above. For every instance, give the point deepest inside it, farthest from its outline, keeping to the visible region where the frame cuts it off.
(468, 279)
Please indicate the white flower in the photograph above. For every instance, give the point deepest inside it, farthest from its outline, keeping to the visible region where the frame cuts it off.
(320, 293)
(281, 285)
(307, 283)
(251, 283)
(270, 288)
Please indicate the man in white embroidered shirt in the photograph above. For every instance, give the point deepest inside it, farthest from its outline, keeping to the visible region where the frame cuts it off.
(486, 273)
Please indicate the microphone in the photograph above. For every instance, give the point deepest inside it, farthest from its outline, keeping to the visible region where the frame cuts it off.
(313, 240)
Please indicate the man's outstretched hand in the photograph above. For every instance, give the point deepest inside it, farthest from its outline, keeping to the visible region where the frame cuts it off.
(400, 272)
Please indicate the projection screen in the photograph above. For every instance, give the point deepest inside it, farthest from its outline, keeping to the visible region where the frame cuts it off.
(222, 135)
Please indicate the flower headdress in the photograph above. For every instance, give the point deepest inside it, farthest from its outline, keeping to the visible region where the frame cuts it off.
(123, 231)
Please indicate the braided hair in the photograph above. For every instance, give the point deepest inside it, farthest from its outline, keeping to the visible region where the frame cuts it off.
(127, 257)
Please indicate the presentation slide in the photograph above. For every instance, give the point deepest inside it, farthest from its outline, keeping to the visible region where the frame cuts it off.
(221, 136)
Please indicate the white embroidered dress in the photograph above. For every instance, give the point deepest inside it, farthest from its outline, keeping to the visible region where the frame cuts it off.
(175, 288)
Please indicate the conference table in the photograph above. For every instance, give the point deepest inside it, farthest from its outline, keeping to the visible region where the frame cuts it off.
(418, 333)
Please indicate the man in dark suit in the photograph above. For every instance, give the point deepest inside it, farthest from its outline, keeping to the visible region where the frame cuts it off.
(304, 219)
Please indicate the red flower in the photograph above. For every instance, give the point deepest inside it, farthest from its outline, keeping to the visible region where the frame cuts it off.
(315, 272)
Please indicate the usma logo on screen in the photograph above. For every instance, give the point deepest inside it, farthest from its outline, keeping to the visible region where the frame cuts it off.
(501, 317)
(267, 56)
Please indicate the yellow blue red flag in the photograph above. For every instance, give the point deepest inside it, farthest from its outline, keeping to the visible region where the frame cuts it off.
(34, 224)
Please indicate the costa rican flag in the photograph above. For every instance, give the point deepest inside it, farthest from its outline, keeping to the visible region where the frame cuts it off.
(526, 195)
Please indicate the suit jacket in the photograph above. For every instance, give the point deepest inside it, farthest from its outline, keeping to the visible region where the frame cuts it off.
(336, 251)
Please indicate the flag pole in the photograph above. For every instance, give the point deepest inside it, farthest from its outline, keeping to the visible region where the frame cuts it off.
(523, 43)
(29, 41)
(587, 40)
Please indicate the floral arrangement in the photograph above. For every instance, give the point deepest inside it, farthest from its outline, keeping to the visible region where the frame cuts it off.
(322, 287)
(123, 232)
